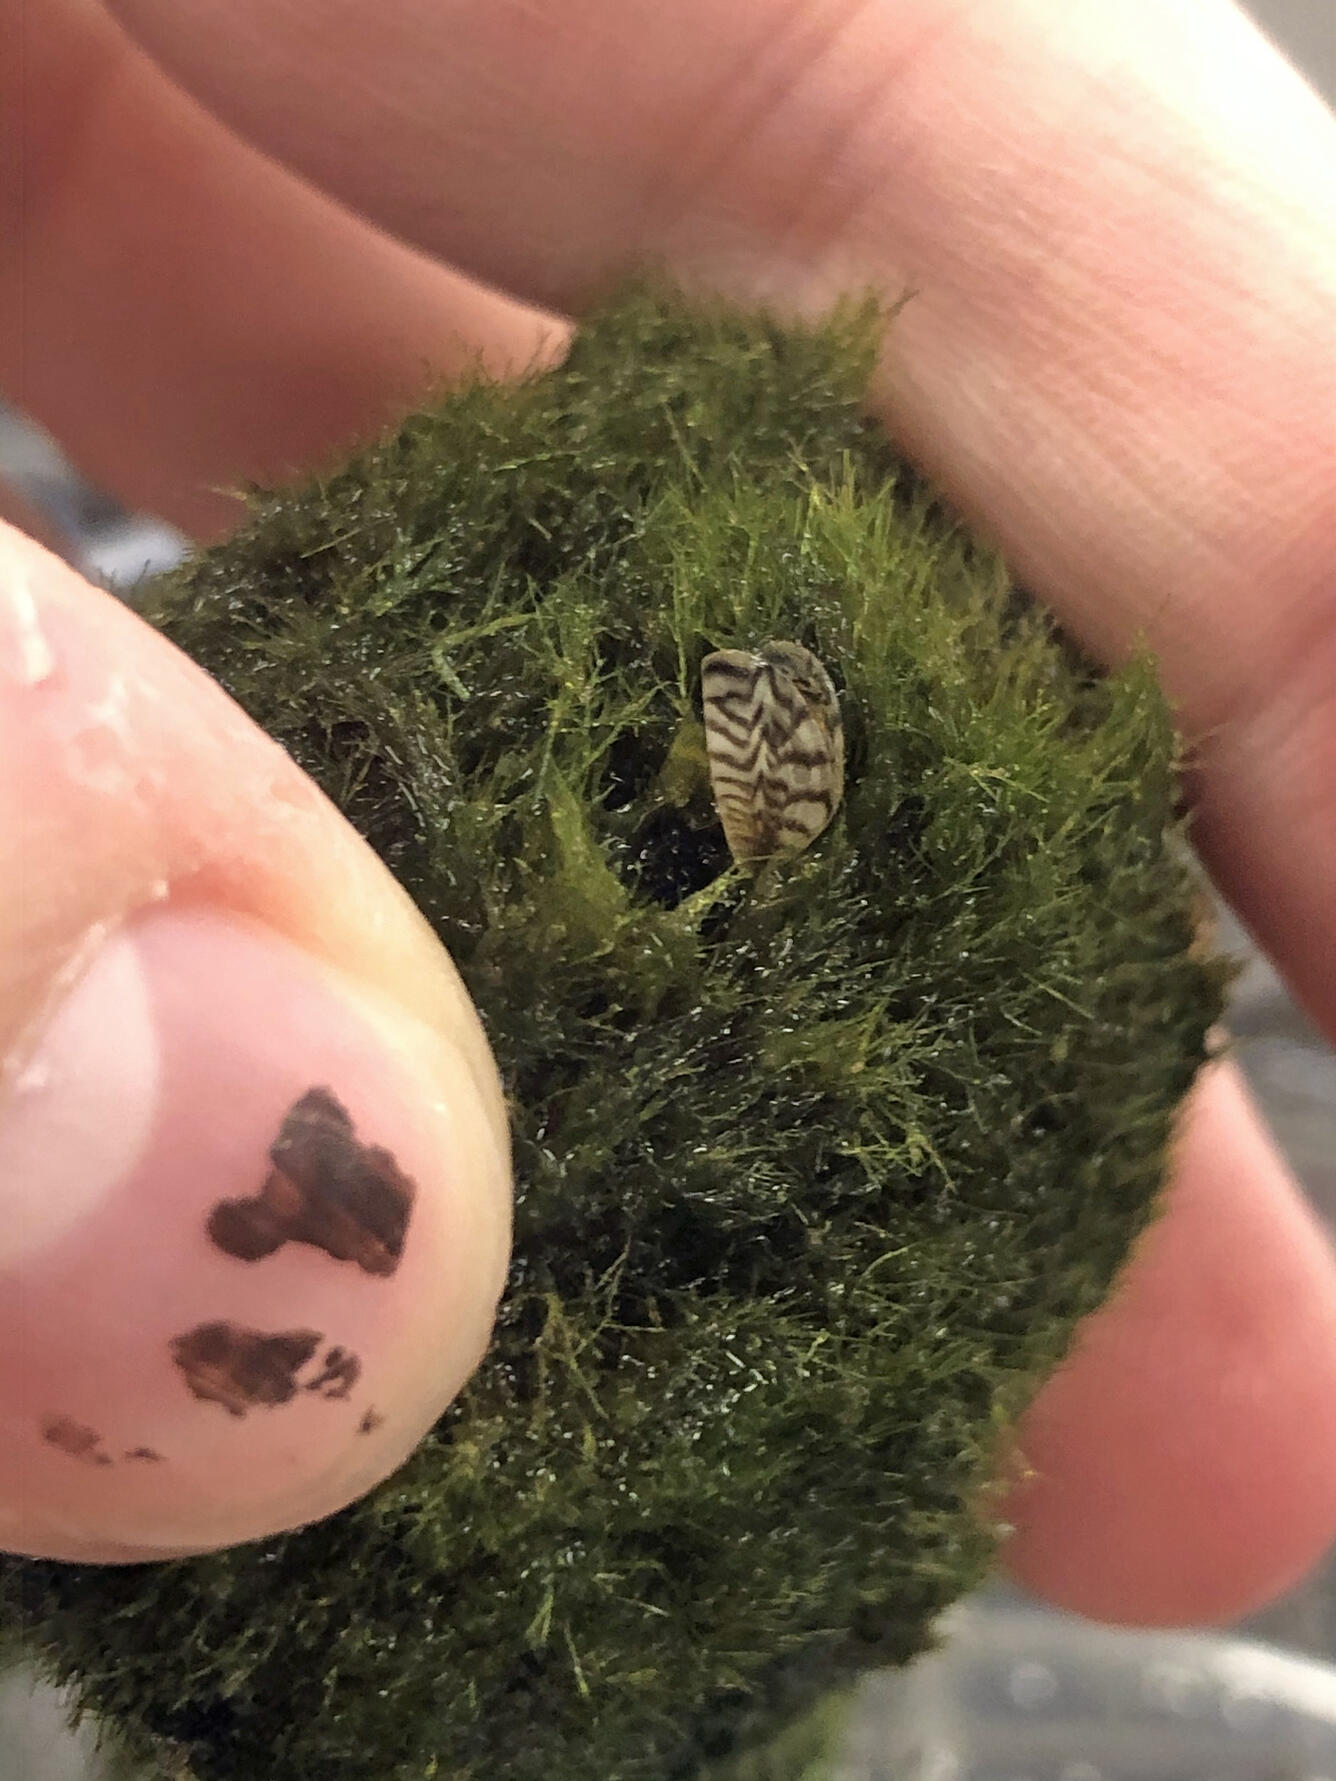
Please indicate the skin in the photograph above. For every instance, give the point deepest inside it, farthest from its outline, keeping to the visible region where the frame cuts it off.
(244, 232)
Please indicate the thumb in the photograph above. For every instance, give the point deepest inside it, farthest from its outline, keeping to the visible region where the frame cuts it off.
(252, 1144)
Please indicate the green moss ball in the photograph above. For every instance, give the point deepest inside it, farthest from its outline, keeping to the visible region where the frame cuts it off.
(817, 1164)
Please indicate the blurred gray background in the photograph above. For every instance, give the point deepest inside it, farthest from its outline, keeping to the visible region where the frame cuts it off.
(1018, 1693)
(1306, 31)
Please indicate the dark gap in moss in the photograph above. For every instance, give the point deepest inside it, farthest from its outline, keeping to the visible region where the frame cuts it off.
(670, 858)
(628, 773)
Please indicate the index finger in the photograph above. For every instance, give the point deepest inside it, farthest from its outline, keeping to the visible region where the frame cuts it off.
(1119, 224)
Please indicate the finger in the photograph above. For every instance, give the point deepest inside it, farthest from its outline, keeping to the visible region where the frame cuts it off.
(182, 313)
(1184, 1459)
(1119, 226)
(251, 1139)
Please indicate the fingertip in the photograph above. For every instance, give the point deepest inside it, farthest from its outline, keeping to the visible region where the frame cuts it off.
(1182, 1463)
(252, 1144)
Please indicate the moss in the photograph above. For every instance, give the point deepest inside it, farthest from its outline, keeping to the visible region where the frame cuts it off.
(816, 1166)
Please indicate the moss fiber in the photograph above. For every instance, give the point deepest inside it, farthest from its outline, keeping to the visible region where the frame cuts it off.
(817, 1166)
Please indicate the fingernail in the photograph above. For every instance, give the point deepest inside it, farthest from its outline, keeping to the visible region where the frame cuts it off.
(239, 1196)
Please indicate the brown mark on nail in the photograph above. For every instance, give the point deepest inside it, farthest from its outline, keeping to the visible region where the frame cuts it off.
(144, 1453)
(76, 1439)
(242, 1369)
(326, 1188)
(371, 1421)
(339, 1372)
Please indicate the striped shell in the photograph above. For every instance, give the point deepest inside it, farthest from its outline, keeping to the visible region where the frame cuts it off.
(775, 744)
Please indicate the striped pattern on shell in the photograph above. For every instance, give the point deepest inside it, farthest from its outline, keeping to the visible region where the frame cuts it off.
(775, 744)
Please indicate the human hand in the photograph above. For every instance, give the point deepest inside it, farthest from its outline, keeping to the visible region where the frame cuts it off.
(1119, 228)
